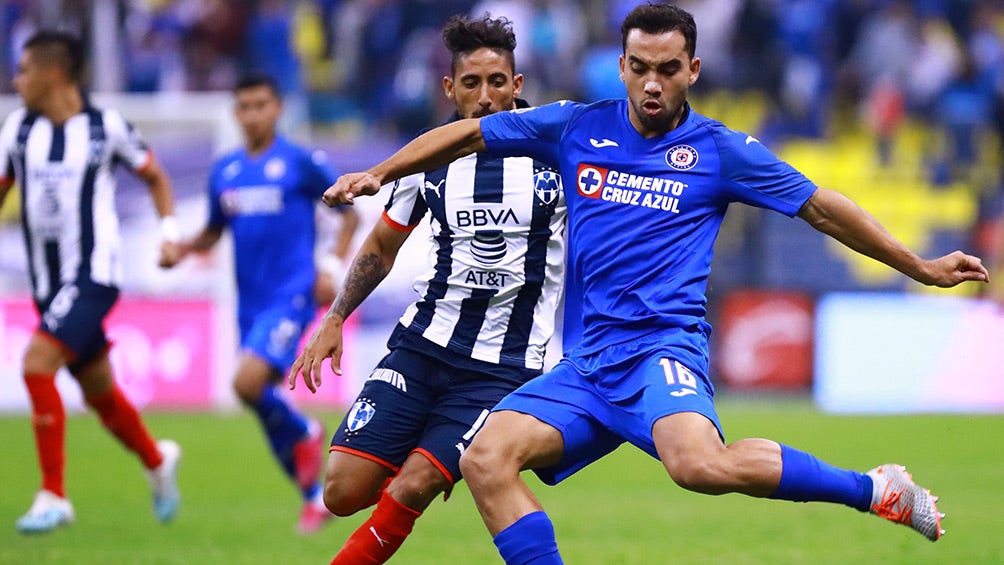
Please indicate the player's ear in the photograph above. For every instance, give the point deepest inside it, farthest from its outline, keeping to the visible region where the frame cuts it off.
(517, 84)
(621, 72)
(448, 87)
(695, 70)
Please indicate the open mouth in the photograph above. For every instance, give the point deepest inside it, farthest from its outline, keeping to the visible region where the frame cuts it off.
(651, 106)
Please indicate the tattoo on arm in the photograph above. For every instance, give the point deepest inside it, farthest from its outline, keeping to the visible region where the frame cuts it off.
(365, 274)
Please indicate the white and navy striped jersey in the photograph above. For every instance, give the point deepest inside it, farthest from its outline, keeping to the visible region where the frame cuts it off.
(67, 181)
(497, 259)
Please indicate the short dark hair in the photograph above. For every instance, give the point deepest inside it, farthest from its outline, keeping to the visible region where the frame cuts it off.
(661, 18)
(255, 80)
(60, 48)
(464, 36)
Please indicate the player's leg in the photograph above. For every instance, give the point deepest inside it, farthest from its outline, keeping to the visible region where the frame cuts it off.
(51, 509)
(688, 440)
(398, 506)
(296, 440)
(120, 417)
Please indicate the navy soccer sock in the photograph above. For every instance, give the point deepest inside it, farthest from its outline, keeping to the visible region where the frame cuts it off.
(283, 424)
(529, 541)
(807, 479)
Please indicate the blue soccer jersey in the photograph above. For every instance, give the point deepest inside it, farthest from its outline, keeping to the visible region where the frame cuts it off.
(644, 213)
(268, 202)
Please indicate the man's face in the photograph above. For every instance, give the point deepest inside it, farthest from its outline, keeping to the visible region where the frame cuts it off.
(33, 81)
(483, 84)
(257, 110)
(658, 73)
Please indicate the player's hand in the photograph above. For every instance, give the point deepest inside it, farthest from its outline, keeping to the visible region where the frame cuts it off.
(953, 269)
(324, 343)
(347, 187)
(171, 253)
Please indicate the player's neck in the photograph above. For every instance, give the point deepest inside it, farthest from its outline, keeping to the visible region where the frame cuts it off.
(62, 104)
(258, 146)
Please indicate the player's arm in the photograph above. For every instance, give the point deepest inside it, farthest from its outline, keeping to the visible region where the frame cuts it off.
(159, 185)
(842, 219)
(370, 267)
(431, 150)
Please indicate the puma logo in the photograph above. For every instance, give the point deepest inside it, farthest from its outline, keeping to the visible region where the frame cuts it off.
(435, 187)
(379, 539)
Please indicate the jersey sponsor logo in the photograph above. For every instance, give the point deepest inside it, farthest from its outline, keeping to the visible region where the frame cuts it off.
(360, 415)
(275, 168)
(681, 157)
(751, 139)
(546, 186)
(488, 247)
(390, 377)
(434, 188)
(590, 180)
(486, 278)
(631, 189)
(481, 217)
(252, 201)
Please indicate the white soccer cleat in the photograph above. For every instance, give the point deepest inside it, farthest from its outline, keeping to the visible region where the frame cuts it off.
(48, 512)
(897, 498)
(164, 481)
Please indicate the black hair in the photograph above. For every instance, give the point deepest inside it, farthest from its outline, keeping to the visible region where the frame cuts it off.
(61, 48)
(661, 18)
(255, 80)
(464, 36)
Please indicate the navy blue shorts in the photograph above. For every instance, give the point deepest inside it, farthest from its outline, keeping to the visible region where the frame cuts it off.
(75, 317)
(600, 401)
(414, 403)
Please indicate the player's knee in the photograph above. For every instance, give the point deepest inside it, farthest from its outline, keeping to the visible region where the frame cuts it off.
(417, 485)
(694, 473)
(480, 464)
(339, 500)
(247, 390)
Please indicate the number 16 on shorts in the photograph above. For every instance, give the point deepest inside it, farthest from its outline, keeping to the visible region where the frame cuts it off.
(678, 376)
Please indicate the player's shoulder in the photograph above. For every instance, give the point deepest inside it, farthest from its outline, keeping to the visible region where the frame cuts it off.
(13, 120)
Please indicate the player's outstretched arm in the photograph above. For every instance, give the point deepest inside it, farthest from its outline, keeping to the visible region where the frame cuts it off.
(431, 150)
(841, 218)
(369, 268)
(159, 186)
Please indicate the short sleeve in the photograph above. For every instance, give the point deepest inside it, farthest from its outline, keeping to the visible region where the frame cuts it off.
(126, 142)
(216, 217)
(8, 142)
(318, 173)
(406, 206)
(755, 176)
(529, 132)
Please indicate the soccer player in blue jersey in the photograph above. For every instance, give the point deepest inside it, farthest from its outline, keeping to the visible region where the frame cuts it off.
(63, 153)
(266, 193)
(649, 181)
(479, 328)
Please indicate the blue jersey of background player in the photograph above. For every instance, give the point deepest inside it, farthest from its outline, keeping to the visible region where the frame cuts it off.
(266, 193)
(652, 182)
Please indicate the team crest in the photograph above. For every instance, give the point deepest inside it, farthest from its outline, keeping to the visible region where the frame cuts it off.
(275, 168)
(546, 185)
(590, 180)
(681, 157)
(360, 415)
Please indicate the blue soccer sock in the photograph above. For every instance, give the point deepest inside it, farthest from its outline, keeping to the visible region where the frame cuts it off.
(529, 541)
(807, 479)
(283, 424)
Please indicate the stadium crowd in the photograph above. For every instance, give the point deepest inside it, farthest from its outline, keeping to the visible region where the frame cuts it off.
(371, 58)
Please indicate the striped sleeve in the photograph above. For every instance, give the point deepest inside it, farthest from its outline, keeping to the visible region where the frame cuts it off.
(406, 206)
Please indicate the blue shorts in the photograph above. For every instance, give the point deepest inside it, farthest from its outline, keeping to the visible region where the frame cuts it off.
(600, 401)
(416, 403)
(75, 315)
(274, 334)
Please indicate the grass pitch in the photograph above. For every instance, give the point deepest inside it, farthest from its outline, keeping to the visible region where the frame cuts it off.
(237, 508)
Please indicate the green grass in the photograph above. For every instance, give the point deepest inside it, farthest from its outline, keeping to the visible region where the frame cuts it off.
(237, 508)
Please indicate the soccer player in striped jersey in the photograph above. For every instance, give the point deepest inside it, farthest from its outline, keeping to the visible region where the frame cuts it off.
(62, 152)
(652, 181)
(266, 193)
(478, 330)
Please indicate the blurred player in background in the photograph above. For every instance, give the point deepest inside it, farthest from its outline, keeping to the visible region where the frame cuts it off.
(478, 331)
(62, 152)
(266, 194)
(653, 181)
